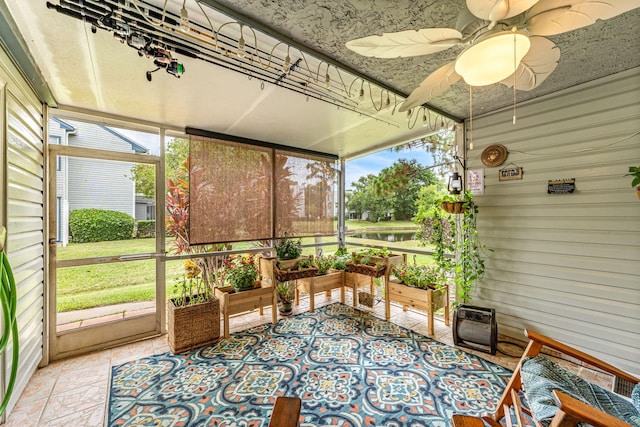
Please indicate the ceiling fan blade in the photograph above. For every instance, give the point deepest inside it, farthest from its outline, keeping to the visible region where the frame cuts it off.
(435, 84)
(406, 43)
(541, 60)
(550, 17)
(495, 10)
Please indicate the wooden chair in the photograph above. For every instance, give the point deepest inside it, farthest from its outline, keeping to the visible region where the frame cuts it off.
(286, 412)
(570, 412)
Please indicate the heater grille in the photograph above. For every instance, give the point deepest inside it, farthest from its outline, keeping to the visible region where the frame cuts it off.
(475, 327)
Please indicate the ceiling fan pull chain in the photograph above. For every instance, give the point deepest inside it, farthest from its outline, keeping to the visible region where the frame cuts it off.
(470, 117)
(515, 67)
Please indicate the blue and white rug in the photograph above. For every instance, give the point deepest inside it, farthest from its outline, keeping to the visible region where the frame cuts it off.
(348, 367)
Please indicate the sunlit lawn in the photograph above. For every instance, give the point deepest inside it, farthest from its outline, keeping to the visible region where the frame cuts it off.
(123, 282)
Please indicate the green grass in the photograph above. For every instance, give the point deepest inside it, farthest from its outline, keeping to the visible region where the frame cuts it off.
(123, 282)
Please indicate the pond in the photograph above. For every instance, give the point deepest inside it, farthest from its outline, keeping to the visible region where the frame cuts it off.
(386, 236)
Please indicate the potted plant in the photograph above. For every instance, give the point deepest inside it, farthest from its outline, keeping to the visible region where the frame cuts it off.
(286, 295)
(634, 171)
(451, 204)
(193, 317)
(241, 272)
(288, 251)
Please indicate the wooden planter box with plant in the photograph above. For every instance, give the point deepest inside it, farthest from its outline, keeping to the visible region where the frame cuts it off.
(245, 291)
(415, 286)
(326, 279)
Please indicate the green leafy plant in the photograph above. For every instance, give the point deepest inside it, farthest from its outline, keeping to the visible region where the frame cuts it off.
(634, 171)
(469, 268)
(288, 249)
(145, 228)
(286, 292)
(339, 262)
(323, 263)
(304, 263)
(458, 252)
(241, 272)
(416, 276)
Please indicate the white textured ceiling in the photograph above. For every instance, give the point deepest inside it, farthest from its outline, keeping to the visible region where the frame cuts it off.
(97, 72)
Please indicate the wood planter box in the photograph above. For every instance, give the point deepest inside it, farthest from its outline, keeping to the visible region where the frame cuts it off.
(355, 281)
(270, 272)
(232, 302)
(193, 326)
(428, 300)
(325, 283)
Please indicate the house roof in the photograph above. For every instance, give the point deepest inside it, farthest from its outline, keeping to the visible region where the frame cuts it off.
(138, 148)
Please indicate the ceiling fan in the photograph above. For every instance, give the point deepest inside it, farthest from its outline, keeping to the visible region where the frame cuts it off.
(503, 42)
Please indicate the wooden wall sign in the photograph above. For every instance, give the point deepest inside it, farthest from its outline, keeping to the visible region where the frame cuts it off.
(510, 174)
(561, 186)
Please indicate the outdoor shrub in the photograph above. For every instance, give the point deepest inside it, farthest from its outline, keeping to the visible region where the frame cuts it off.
(98, 225)
(146, 228)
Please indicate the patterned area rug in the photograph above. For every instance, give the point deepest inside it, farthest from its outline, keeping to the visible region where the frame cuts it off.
(349, 368)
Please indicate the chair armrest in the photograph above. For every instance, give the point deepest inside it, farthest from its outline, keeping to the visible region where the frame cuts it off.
(286, 412)
(570, 351)
(571, 411)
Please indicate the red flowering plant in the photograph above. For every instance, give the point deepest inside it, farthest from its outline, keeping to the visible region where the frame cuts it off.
(200, 274)
(240, 271)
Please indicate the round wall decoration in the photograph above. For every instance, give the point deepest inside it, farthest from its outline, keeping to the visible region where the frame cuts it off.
(494, 155)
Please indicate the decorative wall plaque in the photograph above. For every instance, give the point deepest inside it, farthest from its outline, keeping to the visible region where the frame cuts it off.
(494, 155)
(561, 186)
(510, 174)
(475, 181)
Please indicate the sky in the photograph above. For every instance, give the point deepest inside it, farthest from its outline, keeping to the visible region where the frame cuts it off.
(374, 163)
(362, 166)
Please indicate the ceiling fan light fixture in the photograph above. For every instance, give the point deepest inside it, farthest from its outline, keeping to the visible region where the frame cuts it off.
(493, 59)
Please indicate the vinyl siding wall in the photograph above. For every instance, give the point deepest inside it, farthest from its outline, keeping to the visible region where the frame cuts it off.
(566, 265)
(21, 139)
(99, 184)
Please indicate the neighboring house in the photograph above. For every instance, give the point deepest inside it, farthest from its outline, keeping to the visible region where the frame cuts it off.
(90, 183)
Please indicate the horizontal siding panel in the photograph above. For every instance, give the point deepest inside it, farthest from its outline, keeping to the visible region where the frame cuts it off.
(21, 143)
(508, 271)
(19, 208)
(594, 298)
(569, 223)
(539, 260)
(20, 192)
(28, 275)
(22, 224)
(566, 265)
(20, 161)
(29, 179)
(26, 239)
(27, 253)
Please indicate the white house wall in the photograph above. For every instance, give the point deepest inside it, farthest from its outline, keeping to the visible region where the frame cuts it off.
(566, 265)
(99, 184)
(23, 215)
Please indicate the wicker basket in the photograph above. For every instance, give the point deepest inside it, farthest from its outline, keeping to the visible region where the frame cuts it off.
(367, 270)
(286, 275)
(193, 326)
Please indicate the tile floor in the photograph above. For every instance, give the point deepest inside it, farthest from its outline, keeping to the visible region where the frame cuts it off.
(74, 391)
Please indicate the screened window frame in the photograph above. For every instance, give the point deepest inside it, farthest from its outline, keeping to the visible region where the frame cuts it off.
(271, 215)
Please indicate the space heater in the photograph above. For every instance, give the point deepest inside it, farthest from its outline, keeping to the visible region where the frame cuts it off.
(476, 328)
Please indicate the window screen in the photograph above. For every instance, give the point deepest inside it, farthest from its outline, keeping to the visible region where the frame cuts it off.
(230, 188)
(242, 192)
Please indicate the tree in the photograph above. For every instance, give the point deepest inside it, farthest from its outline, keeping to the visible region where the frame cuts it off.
(144, 174)
(363, 198)
(441, 145)
(401, 182)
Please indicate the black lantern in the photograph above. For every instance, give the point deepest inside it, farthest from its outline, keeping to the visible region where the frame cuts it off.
(455, 183)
